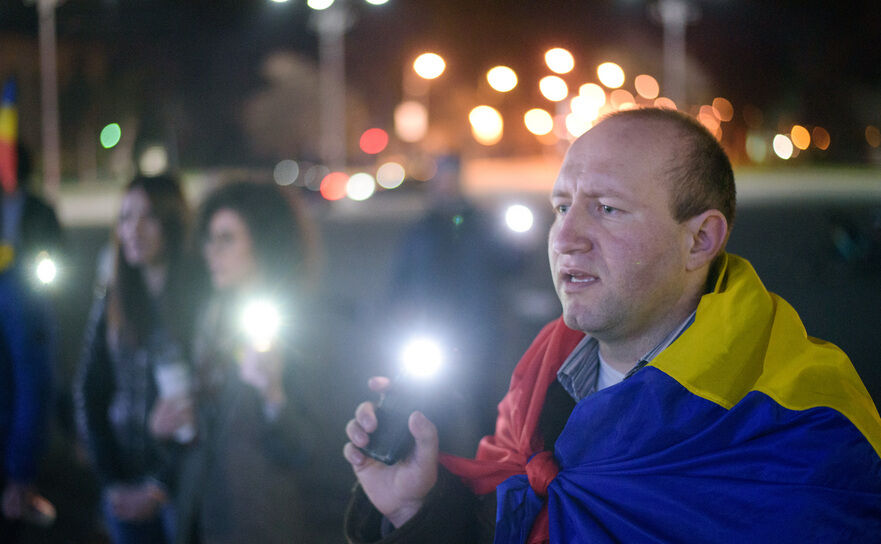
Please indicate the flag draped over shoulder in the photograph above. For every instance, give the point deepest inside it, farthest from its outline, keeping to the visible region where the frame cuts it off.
(8, 137)
(743, 430)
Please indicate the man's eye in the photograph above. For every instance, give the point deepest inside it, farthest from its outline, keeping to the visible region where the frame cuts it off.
(607, 210)
(561, 209)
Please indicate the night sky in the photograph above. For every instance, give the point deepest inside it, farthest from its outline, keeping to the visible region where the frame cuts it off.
(198, 62)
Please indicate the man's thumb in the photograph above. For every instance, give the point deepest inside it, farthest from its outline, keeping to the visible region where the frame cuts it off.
(425, 434)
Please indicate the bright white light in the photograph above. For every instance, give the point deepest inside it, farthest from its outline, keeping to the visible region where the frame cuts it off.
(422, 358)
(154, 160)
(411, 121)
(611, 75)
(286, 172)
(577, 125)
(46, 269)
(782, 146)
(553, 88)
(377, 2)
(559, 60)
(519, 218)
(261, 321)
(390, 175)
(486, 124)
(319, 4)
(429, 65)
(538, 121)
(360, 186)
(502, 78)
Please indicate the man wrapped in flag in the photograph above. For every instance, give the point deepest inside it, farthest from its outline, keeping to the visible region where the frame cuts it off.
(676, 399)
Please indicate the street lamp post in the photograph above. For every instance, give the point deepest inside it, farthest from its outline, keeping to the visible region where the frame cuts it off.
(674, 16)
(331, 25)
(49, 98)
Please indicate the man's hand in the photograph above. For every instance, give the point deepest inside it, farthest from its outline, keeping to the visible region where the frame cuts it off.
(397, 491)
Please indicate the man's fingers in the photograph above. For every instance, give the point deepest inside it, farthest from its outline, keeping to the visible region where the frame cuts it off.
(425, 434)
(366, 416)
(378, 383)
(356, 433)
(354, 456)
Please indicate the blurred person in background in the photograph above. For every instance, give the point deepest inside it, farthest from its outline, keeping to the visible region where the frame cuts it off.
(138, 329)
(239, 481)
(27, 345)
(447, 283)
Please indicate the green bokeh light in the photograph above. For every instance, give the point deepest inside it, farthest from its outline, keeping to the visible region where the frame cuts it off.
(110, 135)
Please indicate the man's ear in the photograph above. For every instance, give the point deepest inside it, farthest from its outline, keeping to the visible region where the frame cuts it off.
(709, 231)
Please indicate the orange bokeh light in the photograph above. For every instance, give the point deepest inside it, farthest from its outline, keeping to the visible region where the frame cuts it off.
(820, 137)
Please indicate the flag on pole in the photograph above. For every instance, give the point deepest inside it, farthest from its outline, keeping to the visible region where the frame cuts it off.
(8, 137)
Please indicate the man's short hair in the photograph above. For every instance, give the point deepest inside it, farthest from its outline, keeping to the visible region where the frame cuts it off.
(701, 177)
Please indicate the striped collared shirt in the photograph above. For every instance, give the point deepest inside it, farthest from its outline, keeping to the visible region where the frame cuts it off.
(578, 374)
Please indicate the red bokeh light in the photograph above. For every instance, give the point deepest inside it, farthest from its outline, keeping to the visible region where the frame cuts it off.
(333, 186)
(373, 141)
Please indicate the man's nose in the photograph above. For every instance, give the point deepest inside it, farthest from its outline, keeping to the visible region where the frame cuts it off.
(572, 233)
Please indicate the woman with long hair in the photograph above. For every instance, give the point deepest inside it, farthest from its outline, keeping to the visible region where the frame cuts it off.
(139, 328)
(239, 480)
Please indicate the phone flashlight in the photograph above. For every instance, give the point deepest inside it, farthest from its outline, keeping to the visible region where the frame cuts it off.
(261, 321)
(392, 441)
(45, 268)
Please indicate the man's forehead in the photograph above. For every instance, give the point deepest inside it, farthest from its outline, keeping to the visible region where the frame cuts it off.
(619, 149)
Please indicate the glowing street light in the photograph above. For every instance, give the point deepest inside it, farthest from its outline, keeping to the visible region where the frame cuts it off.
(486, 124)
(647, 86)
(360, 186)
(594, 94)
(800, 137)
(429, 65)
(502, 78)
(559, 60)
(411, 121)
(390, 175)
(553, 88)
(782, 146)
(611, 75)
(538, 121)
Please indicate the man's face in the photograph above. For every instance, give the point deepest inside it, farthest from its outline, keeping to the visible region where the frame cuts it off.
(618, 258)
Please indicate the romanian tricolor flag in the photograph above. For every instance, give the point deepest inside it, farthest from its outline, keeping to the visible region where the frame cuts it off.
(8, 138)
(745, 429)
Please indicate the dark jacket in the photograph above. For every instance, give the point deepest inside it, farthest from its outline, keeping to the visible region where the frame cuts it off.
(239, 480)
(115, 391)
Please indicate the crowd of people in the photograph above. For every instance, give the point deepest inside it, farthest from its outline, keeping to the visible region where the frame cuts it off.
(674, 400)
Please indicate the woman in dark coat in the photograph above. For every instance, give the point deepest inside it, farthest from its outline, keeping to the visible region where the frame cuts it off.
(239, 480)
(140, 323)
